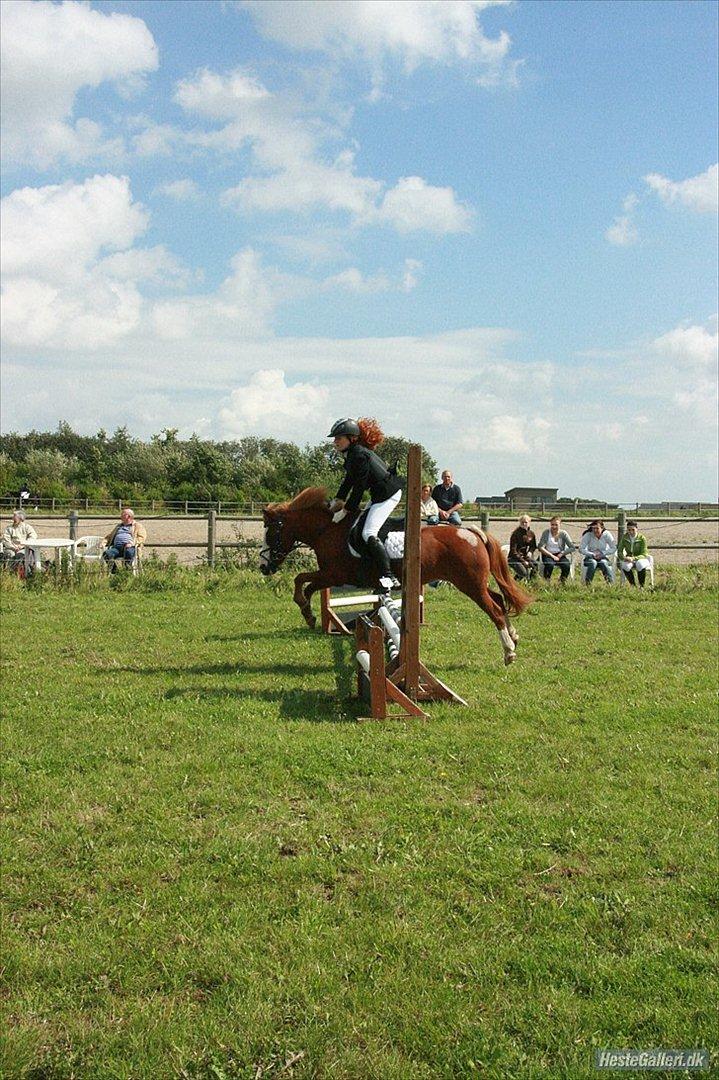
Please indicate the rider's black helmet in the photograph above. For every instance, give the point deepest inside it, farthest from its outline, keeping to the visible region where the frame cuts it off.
(347, 427)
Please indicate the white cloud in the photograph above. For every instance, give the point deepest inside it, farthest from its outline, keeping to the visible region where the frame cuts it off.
(218, 97)
(412, 268)
(49, 53)
(700, 193)
(268, 405)
(353, 280)
(241, 307)
(309, 184)
(56, 231)
(412, 32)
(58, 290)
(623, 232)
(179, 190)
(289, 173)
(413, 205)
(72, 274)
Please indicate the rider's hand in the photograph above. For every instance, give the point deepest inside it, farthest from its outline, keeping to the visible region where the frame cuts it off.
(336, 504)
(336, 518)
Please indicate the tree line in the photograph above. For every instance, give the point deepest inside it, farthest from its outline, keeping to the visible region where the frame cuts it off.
(62, 464)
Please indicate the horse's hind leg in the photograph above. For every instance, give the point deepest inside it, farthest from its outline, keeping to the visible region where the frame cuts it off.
(499, 599)
(485, 598)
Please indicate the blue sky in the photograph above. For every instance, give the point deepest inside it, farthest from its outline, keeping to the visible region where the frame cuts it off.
(491, 225)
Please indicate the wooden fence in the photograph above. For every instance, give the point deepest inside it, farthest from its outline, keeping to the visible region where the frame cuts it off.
(210, 545)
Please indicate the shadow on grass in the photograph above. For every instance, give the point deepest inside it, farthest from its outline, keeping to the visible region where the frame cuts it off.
(309, 706)
(262, 635)
(236, 667)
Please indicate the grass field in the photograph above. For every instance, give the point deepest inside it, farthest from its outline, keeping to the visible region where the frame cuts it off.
(212, 871)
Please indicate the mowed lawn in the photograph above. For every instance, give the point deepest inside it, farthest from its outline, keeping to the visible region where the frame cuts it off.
(212, 871)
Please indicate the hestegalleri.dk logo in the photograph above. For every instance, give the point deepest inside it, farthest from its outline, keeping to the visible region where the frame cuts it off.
(651, 1059)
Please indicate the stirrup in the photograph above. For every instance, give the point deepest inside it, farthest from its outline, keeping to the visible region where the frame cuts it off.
(387, 583)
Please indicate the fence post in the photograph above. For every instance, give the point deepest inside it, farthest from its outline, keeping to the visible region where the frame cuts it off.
(73, 518)
(484, 519)
(211, 538)
(186, 505)
(152, 504)
(621, 526)
(219, 507)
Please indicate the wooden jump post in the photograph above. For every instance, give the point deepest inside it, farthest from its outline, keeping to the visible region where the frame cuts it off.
(405, 680)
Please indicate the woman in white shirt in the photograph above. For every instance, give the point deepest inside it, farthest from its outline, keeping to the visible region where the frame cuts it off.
(429, 511)
(598, 546)
(556, 547)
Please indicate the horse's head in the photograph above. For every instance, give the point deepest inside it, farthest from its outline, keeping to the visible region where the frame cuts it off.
(289, 524)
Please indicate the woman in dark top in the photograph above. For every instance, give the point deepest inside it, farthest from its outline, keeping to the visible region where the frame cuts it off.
(365, 470)
(522, 546)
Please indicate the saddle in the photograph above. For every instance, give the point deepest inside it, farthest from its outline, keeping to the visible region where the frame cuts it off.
(391, 534)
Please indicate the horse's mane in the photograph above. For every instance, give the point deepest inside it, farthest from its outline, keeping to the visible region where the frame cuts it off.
(310, 497)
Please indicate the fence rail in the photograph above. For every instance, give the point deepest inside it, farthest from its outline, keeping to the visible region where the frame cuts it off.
(253, 508)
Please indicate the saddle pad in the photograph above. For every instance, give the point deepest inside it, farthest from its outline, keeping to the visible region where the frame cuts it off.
(394, 545)
(393, 542)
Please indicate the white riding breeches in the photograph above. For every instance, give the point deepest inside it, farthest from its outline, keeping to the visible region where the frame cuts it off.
(640, 564)
(378, 514)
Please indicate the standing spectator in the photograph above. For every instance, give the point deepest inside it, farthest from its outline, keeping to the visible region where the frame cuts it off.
(449, 499)
(522, 548)
(632, 554)
(14, 537)
(597, 547)
(428, 511)
(124, 540)
(556, 547)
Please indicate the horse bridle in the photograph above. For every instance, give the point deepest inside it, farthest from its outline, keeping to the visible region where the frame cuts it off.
(275, 549)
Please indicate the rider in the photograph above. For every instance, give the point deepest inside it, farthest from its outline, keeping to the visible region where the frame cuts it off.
(364, 469)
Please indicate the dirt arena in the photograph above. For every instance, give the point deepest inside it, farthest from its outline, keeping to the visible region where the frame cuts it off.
(194, 530)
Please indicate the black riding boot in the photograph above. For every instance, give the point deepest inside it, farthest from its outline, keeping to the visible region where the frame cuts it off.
(642, 575)
(380, 558)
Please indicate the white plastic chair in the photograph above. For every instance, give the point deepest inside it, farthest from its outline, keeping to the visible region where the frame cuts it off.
(90, 548)
(650, 570)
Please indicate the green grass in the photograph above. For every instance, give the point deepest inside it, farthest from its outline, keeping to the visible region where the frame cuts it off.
(212, 871)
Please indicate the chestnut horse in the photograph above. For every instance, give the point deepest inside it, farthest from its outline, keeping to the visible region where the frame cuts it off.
(465, 556)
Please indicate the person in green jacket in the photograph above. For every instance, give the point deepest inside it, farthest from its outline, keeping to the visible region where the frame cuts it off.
(632, 555)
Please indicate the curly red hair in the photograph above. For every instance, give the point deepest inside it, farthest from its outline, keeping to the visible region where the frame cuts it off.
(371, 433)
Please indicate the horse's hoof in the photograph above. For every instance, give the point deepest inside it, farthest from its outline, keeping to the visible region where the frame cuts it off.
(509, 658)
(311, 621)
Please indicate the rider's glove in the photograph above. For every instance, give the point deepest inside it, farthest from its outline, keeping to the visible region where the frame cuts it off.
(336, 518)
(335, 505)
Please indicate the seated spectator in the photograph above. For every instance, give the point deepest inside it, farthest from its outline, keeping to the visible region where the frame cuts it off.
(124, 540)
(597, 546)
(522, 548)
(429, 511)
(448, 497)
(14, 537)
(555, 548)
(632, 554)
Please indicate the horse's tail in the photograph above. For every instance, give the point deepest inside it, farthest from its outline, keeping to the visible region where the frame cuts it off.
(517, 599)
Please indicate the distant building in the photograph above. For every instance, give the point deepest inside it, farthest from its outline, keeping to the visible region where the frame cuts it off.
(531, 495)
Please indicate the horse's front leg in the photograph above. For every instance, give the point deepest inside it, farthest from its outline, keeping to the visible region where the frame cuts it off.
(302, 595)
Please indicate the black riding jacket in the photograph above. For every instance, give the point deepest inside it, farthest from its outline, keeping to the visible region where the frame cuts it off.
(364, 469)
